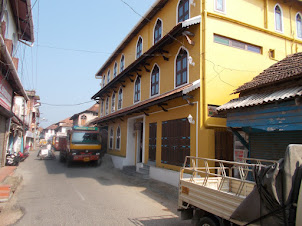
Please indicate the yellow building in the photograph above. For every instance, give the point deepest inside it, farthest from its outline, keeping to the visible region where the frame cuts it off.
(163, 83)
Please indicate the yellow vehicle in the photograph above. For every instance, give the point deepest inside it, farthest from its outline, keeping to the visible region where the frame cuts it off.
(42, 142)
(83, 145)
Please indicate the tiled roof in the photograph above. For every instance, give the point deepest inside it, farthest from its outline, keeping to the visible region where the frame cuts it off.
(286, 69)
(144, 104)
(261, 98)
(53, 127)
(94, 108)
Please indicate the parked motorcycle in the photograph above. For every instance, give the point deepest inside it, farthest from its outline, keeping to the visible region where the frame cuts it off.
(12, 159)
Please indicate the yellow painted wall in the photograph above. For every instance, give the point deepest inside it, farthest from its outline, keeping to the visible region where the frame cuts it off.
(123, 126)
(226, 67)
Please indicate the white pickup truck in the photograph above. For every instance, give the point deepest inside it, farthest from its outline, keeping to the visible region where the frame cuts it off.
(251, 192)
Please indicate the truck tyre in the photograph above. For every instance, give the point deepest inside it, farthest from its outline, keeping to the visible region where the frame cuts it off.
(61, 158)
(68, 162)
(207, 221)
(98, 162)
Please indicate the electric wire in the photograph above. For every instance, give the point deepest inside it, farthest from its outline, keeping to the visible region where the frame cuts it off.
(67, 105)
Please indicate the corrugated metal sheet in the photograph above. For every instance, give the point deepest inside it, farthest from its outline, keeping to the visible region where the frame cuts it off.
(262, 98)
(195, 85)
(191, 21)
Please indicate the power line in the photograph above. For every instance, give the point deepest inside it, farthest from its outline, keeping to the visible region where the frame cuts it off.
(68, 105)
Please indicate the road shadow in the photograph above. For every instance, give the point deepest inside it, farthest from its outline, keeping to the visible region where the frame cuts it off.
(107, 175)
(157, 220)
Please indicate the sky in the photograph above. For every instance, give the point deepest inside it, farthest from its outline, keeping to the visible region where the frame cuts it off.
(72, 41)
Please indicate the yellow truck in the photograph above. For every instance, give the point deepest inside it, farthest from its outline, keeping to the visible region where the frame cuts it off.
(251, 192)
(83, 145)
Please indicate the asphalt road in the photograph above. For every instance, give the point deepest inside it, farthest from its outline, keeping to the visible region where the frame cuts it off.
(52, 194)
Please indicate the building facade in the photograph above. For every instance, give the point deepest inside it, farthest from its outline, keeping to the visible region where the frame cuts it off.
(162, 85)
(16, 26)
(85, 117)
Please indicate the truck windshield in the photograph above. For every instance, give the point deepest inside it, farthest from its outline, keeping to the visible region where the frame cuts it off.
(86, 138)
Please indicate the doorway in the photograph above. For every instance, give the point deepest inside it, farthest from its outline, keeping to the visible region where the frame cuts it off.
(135, 152)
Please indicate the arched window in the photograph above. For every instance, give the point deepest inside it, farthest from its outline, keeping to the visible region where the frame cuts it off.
(122, 64)
(114, 70)
(102, 108)
(299, 25)
(108, 77)
(118, 138)
(137, 89)
(104, 80)
(181, 68)
(107, 106)
(157, 31)
(183, 10)
(278, 18)
(120, 99)
(83, 119)
(111, 138)
(155, 81)
(139, 47)
(113, 103)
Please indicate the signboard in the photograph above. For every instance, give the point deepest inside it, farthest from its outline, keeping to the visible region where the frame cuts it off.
(6, 94)
(212, 112)
(85, 128)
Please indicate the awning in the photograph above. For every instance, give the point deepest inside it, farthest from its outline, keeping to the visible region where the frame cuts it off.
(142, 106)
(262, 98)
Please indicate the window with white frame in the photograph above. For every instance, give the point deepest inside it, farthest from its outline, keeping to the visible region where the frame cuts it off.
(299, 25)
(278, 19)
(104, 80)
(114, 70)
(111, 138)
(108, 77)
(139, 47)
(219, 5)
(183, 10)
(118, 138)
(157, 31)
(107, 106)
(122, 64)
(137, 89)
(120, 99)
(155, 81)
(102, 108)
(113, 103)
(181, 68)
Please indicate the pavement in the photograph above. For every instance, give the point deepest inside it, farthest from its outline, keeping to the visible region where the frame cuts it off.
(6, 187)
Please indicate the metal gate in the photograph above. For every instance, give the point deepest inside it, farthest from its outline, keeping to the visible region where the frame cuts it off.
(272, 145)
(175, 141)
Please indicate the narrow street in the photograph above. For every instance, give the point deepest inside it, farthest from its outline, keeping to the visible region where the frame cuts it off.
(52, 194)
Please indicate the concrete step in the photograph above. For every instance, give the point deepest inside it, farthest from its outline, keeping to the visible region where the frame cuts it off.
(143, 171)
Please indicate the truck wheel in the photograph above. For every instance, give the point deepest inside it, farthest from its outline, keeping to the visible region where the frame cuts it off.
(207, 221)
(98, 162)
(68, 162)
(62, 159)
